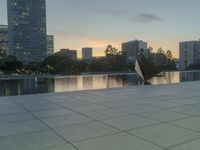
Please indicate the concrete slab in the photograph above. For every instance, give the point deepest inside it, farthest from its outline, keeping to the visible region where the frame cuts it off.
(162, 117)
(85, 131)
(121, 141)
(165, 135)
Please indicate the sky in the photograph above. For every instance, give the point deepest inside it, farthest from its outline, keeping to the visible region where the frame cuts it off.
(97, 23)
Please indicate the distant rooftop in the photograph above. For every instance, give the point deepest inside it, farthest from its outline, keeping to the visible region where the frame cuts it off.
(135, 41)
(190, 41)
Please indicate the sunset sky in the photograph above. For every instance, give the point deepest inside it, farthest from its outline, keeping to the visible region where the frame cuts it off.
(96, 23)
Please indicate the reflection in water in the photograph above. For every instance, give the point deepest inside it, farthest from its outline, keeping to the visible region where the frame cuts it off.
(87, 82)
(166, 78)
(63, 84)
(189, 76)
(74, 83)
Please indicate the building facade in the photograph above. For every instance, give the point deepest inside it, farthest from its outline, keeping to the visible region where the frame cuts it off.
(27, 29)
(87, 53)
(189, 52)
(50, 45)
(3, 40)
(69, 53)
(132, 48)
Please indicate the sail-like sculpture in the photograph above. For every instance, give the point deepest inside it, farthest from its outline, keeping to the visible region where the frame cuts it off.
(145, 68)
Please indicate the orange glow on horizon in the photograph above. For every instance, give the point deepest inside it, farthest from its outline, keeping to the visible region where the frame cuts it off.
(77, 42)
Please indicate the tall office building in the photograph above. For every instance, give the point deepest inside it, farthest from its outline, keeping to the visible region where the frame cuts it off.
(189, 52)
(132, 48)
(86, 53)
(27, 29)
(3, 39)
(50, 45)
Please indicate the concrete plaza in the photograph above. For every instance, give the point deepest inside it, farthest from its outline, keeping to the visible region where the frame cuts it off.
(157, 117)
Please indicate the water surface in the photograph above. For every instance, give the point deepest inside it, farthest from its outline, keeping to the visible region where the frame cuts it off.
(33, 85)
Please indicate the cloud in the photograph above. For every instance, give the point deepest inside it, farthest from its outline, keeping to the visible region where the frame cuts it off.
(145, 18)
(133, 16)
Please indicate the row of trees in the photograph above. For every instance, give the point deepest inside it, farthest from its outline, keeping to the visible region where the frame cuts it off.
(163, 59)
(114, 61)
(59, 64)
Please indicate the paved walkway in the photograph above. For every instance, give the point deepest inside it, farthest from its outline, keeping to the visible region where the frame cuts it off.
(162, 117)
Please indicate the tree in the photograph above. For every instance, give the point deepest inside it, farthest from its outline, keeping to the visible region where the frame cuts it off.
(32, 67)
(80, 66)
(98, 66)
(117, 62)
(110, 51)
(169, 54)
(160, 51)
(10, 64)
(150, 49)
(163, 59)
(160, 57)
(57, 64)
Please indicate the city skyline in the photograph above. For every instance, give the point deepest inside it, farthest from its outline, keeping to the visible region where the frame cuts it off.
(92, 23)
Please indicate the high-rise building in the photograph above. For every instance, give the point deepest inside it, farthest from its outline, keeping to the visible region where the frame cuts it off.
(86, 53)
(50, 45)
(70, 53)
(27, 29)
(3, 39)
(132, 48)
(189, 52)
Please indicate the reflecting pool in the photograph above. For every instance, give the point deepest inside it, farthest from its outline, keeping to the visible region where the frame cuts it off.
(33, 85)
